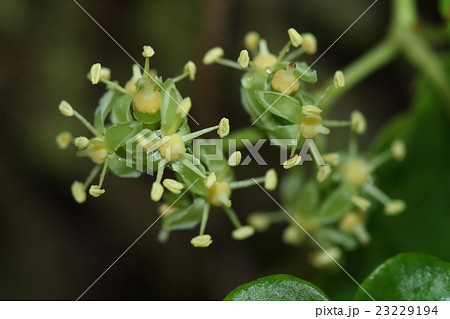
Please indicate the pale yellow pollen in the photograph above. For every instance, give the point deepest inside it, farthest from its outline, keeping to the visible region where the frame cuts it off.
(398, 150)
(311, 110)
(224, 127)
(95, 72)
(78, 192)
(201, 241)
(251, 40)
(358, 122)
(339, 80)
(81, 142)
(323, 173)
(213, 55)
(235, 159)
(311, 126)
(293, 235)
(309, 43)
(394, 207)
(360, 202)
(293, 161)
(184, 107)
(331, 158)
(147, 100)
(190, 69)
(173, 149)
(295, 38)
(284, 81)
(96, 191)
(210, 180)
(219, 194)
(173, 185)
(156, 191)
(63, 140)
(148, 51)
(259, 221)
(270, 180)
(243, 232)
(65, 108)
(357, 172)
(243, 59)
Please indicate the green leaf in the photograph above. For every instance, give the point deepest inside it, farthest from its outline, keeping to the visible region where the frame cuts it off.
(117, 165)
(121, 109)
(444, 8)
(408, 277)
(277, 288)
(103, 109)
(303, 71)
(184, 218)
(170, 99)
(281, 105)
(118, 134)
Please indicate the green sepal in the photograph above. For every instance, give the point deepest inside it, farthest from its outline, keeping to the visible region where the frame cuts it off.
(280, 105)
(189, 177)
(118, 134)
(184, 218)
(104, 108)
(117, 165)
(170, 99)
(121, 109)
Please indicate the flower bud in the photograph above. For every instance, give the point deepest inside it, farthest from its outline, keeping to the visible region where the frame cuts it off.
(258, 221)
(293, 235)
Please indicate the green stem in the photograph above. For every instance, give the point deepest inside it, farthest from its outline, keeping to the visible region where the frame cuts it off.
(103, 173)
(247, 182)
(205, 216)
(91, 176)
(86, 123)
(232, 215)
(373, 60)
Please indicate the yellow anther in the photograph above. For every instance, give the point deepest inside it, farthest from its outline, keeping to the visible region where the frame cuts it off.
(213, 55)
(398, 150)
(96, 191)
(293, 161)
(251, 40)
(295, 37)
(65, 108)
(94, 73)
(201, 241)
(78, 192)
(156, 191)
(259, 221)
(243, 59)
(173, 185)
(81, 142)
(190, 69)
(320, 259)
(311, 110)
(96, 153)
(210, 180)
(235, 159)
(311, 126)
(358, 122)
(331, 158)
(293, 235)
(63, 140)
(360, 202)
(148, 51)
(243, 232)
(224, 127)
(271, 180)
(351, 222)
(394, 207)
(339, 80)
(309, 43)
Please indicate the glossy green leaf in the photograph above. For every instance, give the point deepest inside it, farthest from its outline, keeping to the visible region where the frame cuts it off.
(121, 109)
(118, 134)
(407, 277)
(104, 108)
(277, 288)
(118, 166)
(281, 105)
(170, 99)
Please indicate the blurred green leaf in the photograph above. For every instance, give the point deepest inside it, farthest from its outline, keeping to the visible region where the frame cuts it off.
(277, 288)
(408, 277)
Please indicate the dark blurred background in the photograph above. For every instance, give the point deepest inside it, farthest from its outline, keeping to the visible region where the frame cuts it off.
(53, 248)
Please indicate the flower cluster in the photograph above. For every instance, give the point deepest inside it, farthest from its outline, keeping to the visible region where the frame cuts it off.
(334, 207)
(151, 113)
